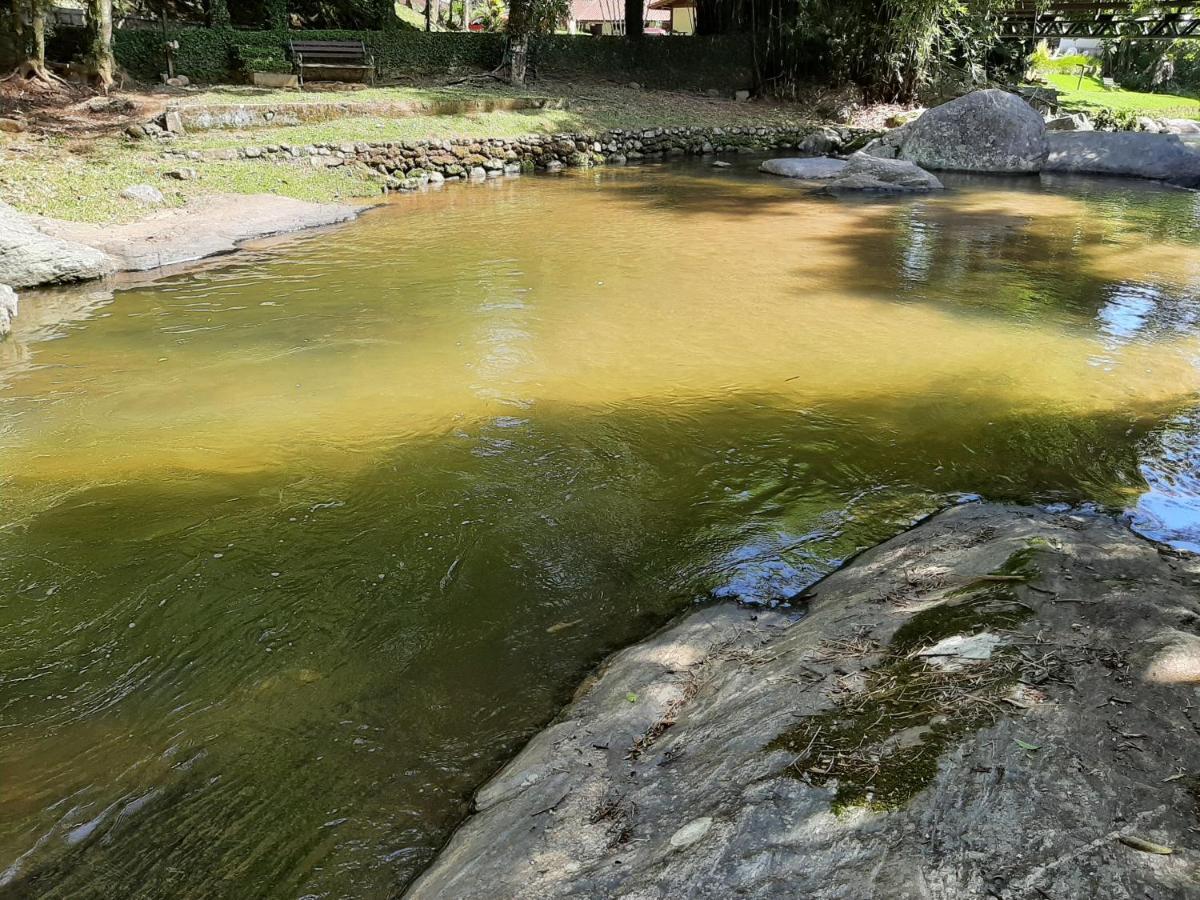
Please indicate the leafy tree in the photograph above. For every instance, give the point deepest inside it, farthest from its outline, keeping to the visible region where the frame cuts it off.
(526, 19)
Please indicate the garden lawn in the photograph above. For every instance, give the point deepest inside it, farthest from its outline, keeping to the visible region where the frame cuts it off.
(81, 177)
(1090, 94)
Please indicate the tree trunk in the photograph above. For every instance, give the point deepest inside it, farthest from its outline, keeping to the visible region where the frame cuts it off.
(466, 4)
(634, 19)
(428, 15)
(99, 43)
(518, 41)
(518, 59)
(32, 44)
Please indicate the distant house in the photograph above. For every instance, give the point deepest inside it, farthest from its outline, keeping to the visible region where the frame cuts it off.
(608, 17)
(683, 14)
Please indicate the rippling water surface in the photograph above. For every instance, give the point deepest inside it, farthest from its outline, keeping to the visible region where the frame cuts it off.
(296, 548)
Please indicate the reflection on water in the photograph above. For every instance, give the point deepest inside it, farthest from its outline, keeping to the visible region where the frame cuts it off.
(296, 548)
(1169, 511)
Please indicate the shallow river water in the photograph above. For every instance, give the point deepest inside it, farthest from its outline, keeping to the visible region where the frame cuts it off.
(297, 547)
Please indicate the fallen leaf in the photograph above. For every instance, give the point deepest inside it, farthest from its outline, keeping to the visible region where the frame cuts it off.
(562, 626)
(1025, 745)
(1137, 843)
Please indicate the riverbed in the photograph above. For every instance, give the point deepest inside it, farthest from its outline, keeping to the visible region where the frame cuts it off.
(298, 547)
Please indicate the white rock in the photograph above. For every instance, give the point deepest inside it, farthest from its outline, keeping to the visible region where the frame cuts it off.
(147, 194)
(961, 650)
(691, 832)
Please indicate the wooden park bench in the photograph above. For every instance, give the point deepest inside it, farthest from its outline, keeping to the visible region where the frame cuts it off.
(332, 56)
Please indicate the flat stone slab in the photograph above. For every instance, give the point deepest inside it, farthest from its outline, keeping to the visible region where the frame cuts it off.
(664, 778)
(207, 226)
(814, 168)
(1130, 154)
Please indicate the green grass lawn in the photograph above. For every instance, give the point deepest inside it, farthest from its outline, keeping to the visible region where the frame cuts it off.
(1089, 94)
(81, 178)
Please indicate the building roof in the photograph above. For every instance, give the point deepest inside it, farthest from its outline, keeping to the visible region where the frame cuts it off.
(610, 11)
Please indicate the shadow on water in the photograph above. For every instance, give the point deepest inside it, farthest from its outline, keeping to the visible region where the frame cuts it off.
(276, 681)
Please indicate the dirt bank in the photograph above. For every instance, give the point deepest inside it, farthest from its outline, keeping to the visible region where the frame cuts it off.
(1001, 702)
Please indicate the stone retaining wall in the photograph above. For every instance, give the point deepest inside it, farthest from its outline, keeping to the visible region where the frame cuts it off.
(409, 165)
(259, 115)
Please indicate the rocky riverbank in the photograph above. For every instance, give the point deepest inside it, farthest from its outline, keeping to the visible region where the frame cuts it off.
(409, 165)
(1000, 702)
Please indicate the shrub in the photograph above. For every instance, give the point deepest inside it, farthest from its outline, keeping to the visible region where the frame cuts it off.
(251, 59)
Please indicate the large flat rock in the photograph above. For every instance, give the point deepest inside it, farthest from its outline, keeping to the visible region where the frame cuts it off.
(895, 176)
(1163, 157)
(29, 256)
(757, 754)
(207, 226)
(814, 168)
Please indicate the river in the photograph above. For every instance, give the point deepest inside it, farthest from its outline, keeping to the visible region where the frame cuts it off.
(298, 546)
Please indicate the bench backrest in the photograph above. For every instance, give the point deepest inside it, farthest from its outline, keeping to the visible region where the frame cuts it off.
(324, 51)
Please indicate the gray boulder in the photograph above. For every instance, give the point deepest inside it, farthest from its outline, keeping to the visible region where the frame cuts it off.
(869, 173)
(8, 309)
(820, 141)
(28, 257)
(1163, 157)
(984, 131)
(1181, 126)
(813, 168)
(146, 194)
(1069, 122)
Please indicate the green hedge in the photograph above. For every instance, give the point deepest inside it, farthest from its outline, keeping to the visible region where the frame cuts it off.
(215, 54)
(673, 62)
(208, 54)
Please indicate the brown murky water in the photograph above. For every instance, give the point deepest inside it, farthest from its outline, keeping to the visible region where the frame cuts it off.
(287, 543)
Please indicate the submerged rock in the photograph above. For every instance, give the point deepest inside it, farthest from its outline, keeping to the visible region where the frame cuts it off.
(984, 131)
(813, 167)
(8, 309)
(869, 173)
(28, 257)
(825, 757)
(1163, 157)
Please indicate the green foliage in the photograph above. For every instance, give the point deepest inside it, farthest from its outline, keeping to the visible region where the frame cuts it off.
(892, 48)
(1043, 63)
(261, 58)
(1115, 120)
(722, 62)
(216, 54)
(208, 54)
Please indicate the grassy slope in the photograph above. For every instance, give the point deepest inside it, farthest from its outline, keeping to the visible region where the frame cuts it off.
(1091, 95)
(81, 179)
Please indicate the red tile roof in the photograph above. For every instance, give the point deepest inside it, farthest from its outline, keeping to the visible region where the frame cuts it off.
(610, 11)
